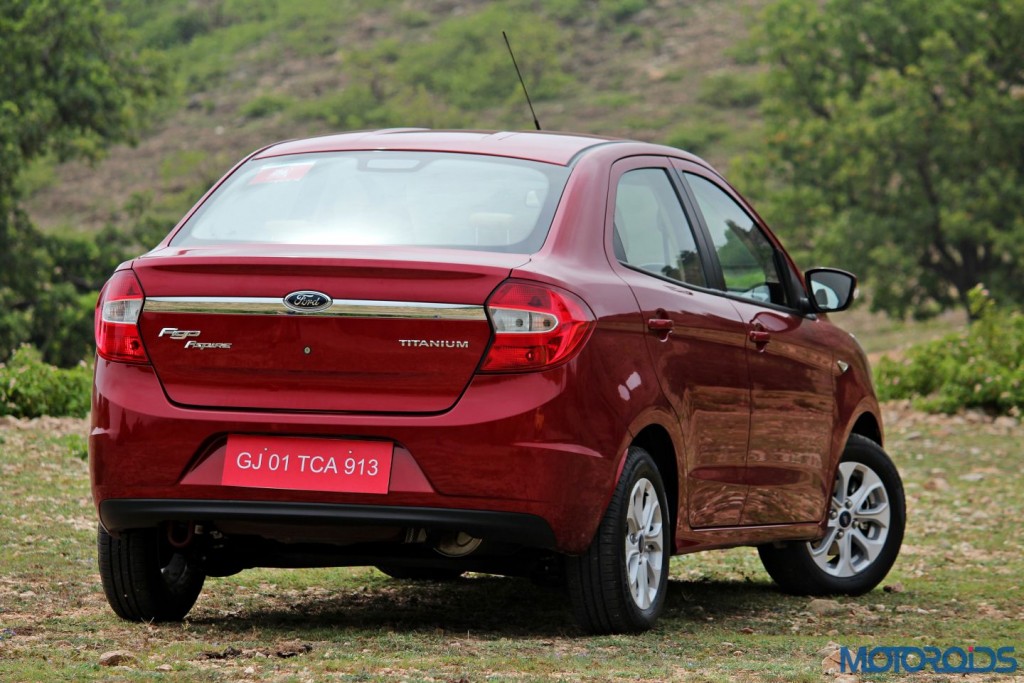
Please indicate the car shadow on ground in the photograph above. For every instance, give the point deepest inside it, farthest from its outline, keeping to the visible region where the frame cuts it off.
(481, 605)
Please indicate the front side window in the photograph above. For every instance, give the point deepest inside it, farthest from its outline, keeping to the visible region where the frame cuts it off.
(651, 230)
(460, 201)
(745, 253)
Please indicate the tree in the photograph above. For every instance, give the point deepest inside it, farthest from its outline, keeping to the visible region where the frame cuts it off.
(895, 143)
(69, 86)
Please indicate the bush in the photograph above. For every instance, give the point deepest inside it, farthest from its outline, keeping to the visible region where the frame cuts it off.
(265, 105)
(50, 300)
(62, 323)
(606, 13)
(445, 81)
(698, 136)
(982, 367)
(31, 388)
(53, 279)
(731, 90)
(467, 66)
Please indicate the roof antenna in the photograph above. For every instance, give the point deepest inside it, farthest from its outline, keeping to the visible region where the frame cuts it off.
(521, 82)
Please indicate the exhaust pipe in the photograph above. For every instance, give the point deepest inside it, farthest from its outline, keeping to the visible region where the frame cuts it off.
(458, 544)
(180, 534)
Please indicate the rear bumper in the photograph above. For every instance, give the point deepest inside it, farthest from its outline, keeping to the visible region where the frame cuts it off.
(509, 462)
(510, 527)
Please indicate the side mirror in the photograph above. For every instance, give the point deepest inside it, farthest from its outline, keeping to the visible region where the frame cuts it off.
(831, 289)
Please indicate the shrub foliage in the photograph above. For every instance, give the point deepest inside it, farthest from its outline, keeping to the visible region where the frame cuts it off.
(981, 367)
(31, 388)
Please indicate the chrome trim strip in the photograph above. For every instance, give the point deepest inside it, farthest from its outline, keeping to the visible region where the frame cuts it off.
(342, 308)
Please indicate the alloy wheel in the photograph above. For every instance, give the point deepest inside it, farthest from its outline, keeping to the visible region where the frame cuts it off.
(645, 543)
(858, 522)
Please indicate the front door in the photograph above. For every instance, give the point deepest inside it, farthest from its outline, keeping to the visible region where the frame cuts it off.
(791, 377)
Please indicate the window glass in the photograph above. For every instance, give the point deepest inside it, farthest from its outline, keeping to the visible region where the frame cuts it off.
(462, 201)
(746, 255)
(651, 230)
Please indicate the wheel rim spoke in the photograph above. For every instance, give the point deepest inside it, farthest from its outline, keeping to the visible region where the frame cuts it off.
(633, 566)
(636, 510)
(869, 485)
(844, 564)
(649, 509)
(654, 539)
(643, 578)
(869, 548)
(824, 545)
(878, 515)
(842, 485)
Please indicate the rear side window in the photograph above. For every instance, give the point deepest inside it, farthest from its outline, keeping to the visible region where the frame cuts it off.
(651, 230)
(746, 255)
(385, 198)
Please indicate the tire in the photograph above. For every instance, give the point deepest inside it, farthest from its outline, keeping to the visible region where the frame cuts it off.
(867, 515)
(144, 578)
(438, 574)
(618, 585)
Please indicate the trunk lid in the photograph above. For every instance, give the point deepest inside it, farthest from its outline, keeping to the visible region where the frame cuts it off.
(404, 331)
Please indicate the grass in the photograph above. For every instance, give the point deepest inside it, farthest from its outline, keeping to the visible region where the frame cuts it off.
(957, 582)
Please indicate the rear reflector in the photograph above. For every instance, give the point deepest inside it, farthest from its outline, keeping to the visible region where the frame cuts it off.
(117, 317)
(535, 327)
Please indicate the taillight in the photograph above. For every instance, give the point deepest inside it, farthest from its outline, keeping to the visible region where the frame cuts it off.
(535, 327)
(117, 318)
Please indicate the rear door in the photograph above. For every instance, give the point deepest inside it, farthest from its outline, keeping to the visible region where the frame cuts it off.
(697, 339)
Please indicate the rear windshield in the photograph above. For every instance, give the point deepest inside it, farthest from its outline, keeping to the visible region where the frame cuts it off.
(460, 201)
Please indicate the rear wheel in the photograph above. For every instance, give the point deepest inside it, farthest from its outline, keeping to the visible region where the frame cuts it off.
(619, 584)
(864, 533)
(145, 578)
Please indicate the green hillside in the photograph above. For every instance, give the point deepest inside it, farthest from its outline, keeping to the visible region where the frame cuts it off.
(249, 72)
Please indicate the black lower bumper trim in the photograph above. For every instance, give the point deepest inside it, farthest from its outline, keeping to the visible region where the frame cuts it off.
(514, 527)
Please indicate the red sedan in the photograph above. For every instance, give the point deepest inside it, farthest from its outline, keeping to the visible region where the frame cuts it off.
(518, 353)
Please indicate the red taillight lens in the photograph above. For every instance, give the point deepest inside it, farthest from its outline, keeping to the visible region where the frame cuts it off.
(117, 317)
(535, 327)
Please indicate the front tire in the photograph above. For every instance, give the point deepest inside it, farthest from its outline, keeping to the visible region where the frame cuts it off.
(618, 585)
(866, 518)
(144, 578)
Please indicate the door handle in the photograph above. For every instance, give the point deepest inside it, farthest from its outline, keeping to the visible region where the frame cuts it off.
(660, 324)
(760, 336)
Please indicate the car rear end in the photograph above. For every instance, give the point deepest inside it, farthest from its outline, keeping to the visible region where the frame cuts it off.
(336, 361)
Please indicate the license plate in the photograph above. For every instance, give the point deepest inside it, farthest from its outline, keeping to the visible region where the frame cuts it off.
(307, 464)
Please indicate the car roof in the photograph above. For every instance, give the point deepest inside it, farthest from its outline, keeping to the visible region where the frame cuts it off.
(544, 146)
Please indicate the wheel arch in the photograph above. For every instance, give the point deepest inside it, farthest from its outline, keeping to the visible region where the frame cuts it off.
(856, 415)
(864, 421)
(867, 425)
(657, 441)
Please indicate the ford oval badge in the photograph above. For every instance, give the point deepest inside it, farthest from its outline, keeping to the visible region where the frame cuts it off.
(307, 301)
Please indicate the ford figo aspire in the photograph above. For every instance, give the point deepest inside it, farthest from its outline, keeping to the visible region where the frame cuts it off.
(518, 353)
